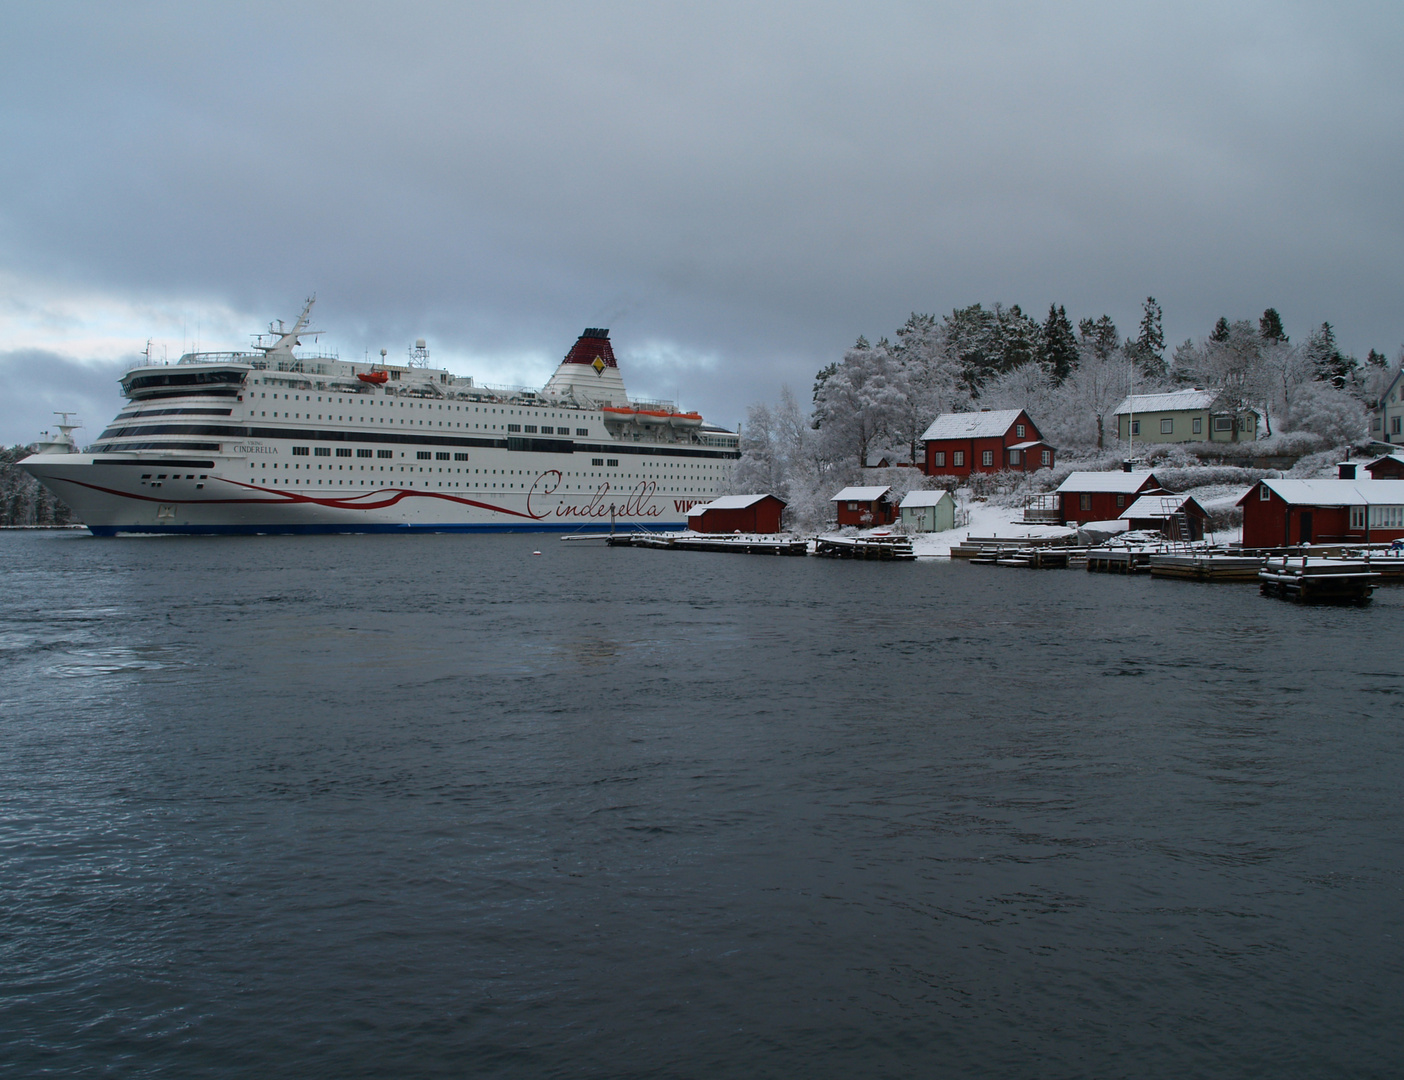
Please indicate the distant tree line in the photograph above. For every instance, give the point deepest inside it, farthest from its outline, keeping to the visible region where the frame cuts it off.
(25, 501)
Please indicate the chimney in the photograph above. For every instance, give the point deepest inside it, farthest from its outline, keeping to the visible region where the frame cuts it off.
(1126, 467)
(1345, 470)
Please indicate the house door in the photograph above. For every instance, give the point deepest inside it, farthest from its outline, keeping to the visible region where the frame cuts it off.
(1304, 527)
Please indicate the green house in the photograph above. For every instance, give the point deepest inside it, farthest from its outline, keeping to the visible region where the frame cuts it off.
(1183, 416)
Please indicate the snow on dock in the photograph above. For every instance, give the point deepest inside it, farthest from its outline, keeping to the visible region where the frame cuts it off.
(742, 543)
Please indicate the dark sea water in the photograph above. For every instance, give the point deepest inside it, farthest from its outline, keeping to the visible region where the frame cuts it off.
(435, 806)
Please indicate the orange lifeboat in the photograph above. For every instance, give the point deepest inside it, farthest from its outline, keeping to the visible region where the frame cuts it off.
(376, 377)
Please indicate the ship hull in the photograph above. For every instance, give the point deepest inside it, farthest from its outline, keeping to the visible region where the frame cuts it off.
(151, 493)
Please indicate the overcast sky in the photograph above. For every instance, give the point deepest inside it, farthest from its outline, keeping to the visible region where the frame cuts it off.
(738, 191)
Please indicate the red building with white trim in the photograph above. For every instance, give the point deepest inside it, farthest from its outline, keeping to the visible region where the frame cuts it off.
(1284, 513)
(959, 444)
(1102, 496)
(865, 507)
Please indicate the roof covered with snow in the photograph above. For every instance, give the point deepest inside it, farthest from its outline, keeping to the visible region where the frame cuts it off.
(861, 494)
(1334, 492)
(1120, 483)
(731, 502)
(1158, 506)
(914, 499)
(972, 425)
(1174, 401)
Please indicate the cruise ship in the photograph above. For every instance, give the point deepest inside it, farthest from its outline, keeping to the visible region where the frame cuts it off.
(276, 441)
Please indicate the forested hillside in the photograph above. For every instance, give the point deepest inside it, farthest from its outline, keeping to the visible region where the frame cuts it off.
(23, 500)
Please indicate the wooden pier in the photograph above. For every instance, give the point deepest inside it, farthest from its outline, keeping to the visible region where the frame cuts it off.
(746, 544)
(864, 547)
(1042, 558)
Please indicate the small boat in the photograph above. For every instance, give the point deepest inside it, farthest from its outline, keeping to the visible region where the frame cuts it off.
(376, 377)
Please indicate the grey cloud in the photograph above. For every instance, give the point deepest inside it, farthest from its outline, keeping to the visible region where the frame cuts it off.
(38, 384)
(758, 183)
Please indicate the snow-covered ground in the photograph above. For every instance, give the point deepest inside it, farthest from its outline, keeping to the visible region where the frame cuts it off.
(1006, 522)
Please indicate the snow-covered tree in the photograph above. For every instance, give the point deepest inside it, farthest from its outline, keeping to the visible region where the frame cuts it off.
(856, 407)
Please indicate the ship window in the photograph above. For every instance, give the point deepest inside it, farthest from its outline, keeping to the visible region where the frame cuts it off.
(146, 476)
(441, 457)
(531, 428)
(323, 451)
(301, 451)
(597, 461)
(613, 461)
(343, 451)
(514, 427)
(363, 453)
(161, 476)
(582, 431)
(422, 455)
(384, 453)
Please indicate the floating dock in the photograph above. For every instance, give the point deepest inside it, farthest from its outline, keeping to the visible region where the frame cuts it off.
(1204, 566)
(864, 547)
(1118, 561)
(1318, 581)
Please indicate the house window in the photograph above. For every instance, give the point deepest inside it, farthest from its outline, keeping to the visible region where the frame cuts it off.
(987, 457)
(853, 506)
(957, 458)
(1084, 502)
(1357, 517)
(1120, 501)
(1019, 430)
(1013, 457)
(1135, 427)
(1197, 425)
(1167, 426)
(1264, 493)
(1394, 425)
(1048, 457)
(938, 459)
(1223, 423)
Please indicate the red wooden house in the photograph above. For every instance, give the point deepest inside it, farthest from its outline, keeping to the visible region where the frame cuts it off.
(1389, 467)
(958, 444)
(737, 513)
(865, 507)
(1283, 513)
(1102, 496)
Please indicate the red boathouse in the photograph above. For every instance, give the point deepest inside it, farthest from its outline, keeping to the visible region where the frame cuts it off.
(737, 513)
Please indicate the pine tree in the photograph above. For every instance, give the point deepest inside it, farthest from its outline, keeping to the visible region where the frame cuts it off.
(1101, 336)
(1220, 333)
(1149, 347)
(1057, 350)
(1327, 360)
(1270, 326)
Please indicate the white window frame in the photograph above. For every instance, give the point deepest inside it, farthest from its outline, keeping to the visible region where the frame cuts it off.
(987, 458)
(1264, 493)
(957, 459)
(1167, 425)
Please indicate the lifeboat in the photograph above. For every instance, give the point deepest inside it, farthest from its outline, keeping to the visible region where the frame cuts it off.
(376, 377)
(661, 417)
